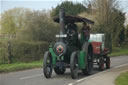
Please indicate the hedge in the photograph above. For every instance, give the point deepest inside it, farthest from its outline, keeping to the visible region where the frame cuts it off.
(24, 51)
(3, 52)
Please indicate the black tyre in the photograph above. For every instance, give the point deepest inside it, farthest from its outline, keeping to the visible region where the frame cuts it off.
(59, 71)
(74, 65)
(89, 60)
(107, 62)
(47, 65)
(101, 64)
(89, 65)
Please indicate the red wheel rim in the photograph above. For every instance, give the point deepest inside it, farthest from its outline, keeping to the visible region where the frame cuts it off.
(102, 66)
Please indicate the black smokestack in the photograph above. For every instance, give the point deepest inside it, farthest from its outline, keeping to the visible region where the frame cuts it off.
(62, 20)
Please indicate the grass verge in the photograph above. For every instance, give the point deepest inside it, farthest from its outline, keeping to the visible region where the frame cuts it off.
(122, 79)
(119, 52)
(19, 66)
(16, 66)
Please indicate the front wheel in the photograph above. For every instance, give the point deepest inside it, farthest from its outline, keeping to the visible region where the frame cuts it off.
(88, 59)
(47, 65)
(74, 65)
(89, 64)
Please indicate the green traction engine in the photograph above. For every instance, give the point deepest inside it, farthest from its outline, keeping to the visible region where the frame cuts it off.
(71, 50)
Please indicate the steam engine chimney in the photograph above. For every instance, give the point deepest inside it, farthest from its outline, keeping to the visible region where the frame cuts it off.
(62, 21)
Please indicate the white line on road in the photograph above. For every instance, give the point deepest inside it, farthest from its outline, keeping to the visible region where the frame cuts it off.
(27, 77)
(121, 65)
(81, 79)
(70, 84)
(31, 76)
(97, 74)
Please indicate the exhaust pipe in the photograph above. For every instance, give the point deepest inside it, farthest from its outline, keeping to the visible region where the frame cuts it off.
(62, 20)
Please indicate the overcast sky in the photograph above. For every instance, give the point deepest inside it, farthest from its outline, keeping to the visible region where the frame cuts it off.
(43, 4)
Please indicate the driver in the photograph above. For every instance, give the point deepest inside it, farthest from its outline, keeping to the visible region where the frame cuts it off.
(86, 31)
(72, 28)
(72, 32)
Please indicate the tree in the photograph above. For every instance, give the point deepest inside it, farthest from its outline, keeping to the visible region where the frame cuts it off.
(127, 31)
(122, 36)
(70, 8)
(0, 23)
(109, 18)
(28, 25)
(12, 20)
(118, 34)
(38, 27)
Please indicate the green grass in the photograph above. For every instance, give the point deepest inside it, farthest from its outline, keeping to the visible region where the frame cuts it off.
(122, 79)
(19, 66)
(119, 52)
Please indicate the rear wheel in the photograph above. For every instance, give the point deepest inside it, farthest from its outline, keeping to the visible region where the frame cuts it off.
(47, 65)
(101, 64)
(107, 62)
(59, 71)
(74, 65)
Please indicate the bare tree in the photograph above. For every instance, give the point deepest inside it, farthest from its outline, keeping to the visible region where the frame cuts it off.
(105, 11)
(103, 8)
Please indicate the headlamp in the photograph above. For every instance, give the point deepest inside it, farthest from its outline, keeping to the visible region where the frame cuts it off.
(60, 49)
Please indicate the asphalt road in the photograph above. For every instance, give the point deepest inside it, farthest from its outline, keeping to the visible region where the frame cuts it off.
(36, 77)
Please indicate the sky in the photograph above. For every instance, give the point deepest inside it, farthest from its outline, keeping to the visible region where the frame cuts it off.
(43, 4)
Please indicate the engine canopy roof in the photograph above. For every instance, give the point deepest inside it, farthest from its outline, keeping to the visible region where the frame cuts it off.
(74, 19)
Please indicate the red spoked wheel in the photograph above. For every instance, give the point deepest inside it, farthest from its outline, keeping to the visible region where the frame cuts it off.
(101, 64)
(107, 62)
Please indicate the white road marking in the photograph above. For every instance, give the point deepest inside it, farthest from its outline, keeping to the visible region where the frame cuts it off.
(30, 76)
(97, 74)
(27, 77)
(70, 84)
(121, 65)
(81, 79)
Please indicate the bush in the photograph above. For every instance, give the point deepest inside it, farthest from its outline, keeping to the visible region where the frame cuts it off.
(28, 51)
(3, 52)
(38, 27)
(23, 51)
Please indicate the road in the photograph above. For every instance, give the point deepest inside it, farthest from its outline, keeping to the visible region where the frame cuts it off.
(36, 77)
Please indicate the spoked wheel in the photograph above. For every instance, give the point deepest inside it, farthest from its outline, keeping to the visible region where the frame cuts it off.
(59, 71)
(107, 62)
(74, 65)
(47, 65)
(101, 64)
(89, 64)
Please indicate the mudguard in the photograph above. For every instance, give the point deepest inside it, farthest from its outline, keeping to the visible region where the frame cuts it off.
(54, 56)
(82, 58)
